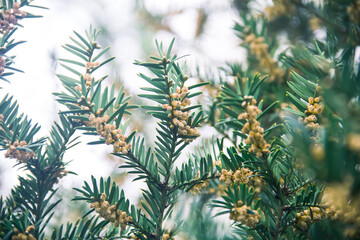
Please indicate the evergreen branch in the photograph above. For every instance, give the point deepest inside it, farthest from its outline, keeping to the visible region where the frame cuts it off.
(165, 189)
(312, 10)
(192, 182)
(145, 170)
(45, 169)
(45, 175)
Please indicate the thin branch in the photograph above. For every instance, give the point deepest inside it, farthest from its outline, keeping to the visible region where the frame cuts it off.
(144, 169)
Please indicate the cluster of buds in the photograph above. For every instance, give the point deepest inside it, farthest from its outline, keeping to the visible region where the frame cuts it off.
(85, 108)
(217, 163)
(164, 61)
(243, 175)
(10, 18)
(314, 23)
(109, 212)
(339, 204)
(91, 65)
(134, 237)
(24, 236)
(252, 127)
(330, 212)
(317, 151)
(245, 215)
(20, 155)
(219, 190)
(198, 188)
(180, 117)
(280, 8)
(313, 108)
(60, 174)
(83, 100)
(346, 214)
(354, 12)
(307, 217)
(166, 236)
(226, 176)
(2, 65)
(88, 79)
(336, 205)
(98, 122)
(352, 141)
(110, 133)
(260, 49)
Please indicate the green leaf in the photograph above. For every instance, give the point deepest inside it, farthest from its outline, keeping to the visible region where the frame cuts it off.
(70, 69)
(73, 62)
(169, 49)
(83, 40)
(118, 113)
(75, 53)
(101, 53)
(198, 85)
(298, 103)
(267, 110)
(296, 112)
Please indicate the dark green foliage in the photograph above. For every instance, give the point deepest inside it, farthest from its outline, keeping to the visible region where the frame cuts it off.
(17, 127)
